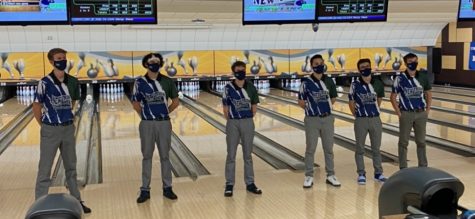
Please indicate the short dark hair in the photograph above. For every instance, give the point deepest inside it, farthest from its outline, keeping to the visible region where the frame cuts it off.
(238, 64)
(361, 61)
(55, 51)
(148, 56)
(317, 56)
(409, 56)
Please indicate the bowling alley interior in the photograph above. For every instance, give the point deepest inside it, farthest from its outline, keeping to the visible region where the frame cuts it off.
(237, 109)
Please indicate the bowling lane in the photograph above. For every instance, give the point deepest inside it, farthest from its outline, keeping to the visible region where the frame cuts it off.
(121, 143)
(451, 96)
(121, 155)
(19, 162)
(11, 108)
(441, 103)
(436, 114)
(454, 90)
(389, 142)
(439, 115)
(456, 135)
(449, 104)
(288, 136)
(208, 144)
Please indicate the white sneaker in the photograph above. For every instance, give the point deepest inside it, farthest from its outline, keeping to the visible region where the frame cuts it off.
(308, 182)
(332, 180)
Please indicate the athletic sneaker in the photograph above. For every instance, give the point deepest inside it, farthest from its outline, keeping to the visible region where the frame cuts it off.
(144, 196)
(308, 182)
(332, 180)
(380, 178)
(168, 193)
(85, 208)
(228, 191)
(361, 179)
(253, 189)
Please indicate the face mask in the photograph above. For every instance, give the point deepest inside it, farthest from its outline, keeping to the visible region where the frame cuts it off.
(60, 65)
(319, 69)
(366, 72)
(154, 67)
(412, 66)
(240, 75)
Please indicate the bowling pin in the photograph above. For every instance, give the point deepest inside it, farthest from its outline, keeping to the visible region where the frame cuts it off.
(18, 90)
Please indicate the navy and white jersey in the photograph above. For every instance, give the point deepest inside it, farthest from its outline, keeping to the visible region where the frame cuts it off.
(153, 96)
(366, 96)
(317, 95)
(240, 100)
(56, 98)
(411, 90)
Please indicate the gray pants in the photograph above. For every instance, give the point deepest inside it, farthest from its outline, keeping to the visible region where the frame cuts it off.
(407, 121)
(239, 130)
(52, 138)
(363, 126)
(316, 127)
(151, 133)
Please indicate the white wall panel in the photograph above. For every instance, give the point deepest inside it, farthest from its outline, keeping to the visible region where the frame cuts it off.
(220, 37)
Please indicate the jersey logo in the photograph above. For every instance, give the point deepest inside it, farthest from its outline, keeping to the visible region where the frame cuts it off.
(367, 98)
(413, 92)
(319, 96)
(241, 104)
(155, 97)
(61, 102)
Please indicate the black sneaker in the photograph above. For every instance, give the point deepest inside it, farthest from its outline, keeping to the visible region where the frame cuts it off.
(252, 188)
(85, 208)
(228, 192)
(168, 192)
(144, 196)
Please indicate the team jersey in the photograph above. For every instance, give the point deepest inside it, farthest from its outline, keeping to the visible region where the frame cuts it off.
(365, 96)
(317, 95)
(153, 96)
(56, 98)
(411, 90)
(240, 100)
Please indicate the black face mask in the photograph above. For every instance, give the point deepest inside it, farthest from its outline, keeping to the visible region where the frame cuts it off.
(412, 66)
(240, 75)
(366, 72)
(154, 67)
(60, 65)
(320, 69)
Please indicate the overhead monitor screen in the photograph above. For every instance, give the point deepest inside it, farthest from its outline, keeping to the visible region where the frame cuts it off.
(352, 10)
(25, 12)
(114, 12)
(278, 11)
(467, 10)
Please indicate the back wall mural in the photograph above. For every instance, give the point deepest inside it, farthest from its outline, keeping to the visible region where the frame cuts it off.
(391, 59)
(128, 64)
(258, 62)
(97, 65)
(179, 63)
(21, 65)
